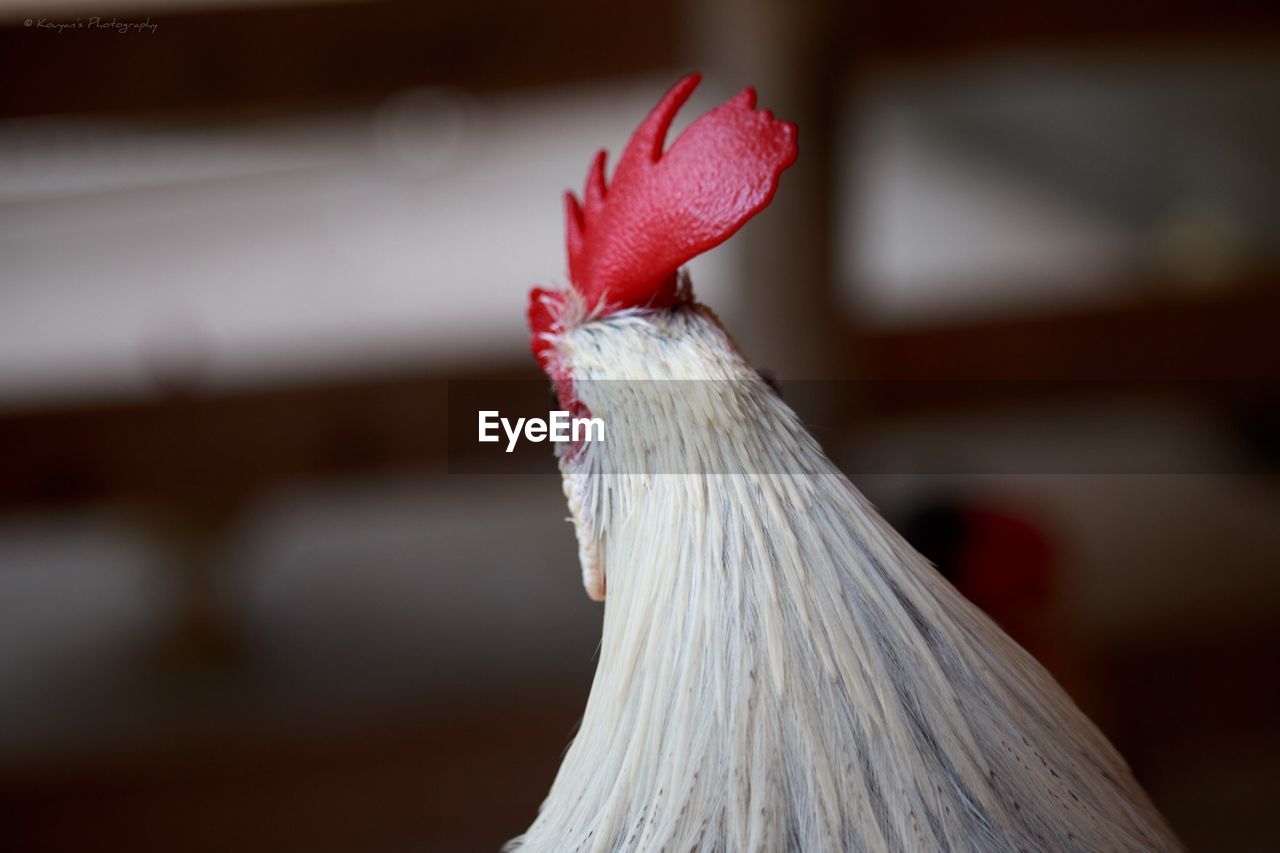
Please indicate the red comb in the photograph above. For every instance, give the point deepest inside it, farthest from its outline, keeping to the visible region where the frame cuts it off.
(627, 239)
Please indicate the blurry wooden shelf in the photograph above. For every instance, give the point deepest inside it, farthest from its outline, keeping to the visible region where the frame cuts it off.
(1221, 343)
(218, 448)
(233, 57)
(227, 446)
(461, 773)
(288, 55)
(1224, 335)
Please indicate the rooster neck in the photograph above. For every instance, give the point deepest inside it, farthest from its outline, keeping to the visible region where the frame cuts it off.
(778, 669)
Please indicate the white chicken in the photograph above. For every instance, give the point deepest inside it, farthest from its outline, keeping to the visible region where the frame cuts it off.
(779, 669)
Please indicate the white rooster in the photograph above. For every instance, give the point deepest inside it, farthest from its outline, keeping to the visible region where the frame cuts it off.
(779, 669)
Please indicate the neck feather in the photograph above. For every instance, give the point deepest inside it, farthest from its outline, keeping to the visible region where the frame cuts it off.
(779, 670)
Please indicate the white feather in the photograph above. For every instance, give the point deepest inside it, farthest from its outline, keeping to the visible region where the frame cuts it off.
(779, 670)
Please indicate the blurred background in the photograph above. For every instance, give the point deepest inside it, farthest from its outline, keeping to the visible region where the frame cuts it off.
(249, 602)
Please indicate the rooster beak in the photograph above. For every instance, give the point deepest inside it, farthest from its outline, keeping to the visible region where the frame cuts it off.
(593, 579)
(593, 583)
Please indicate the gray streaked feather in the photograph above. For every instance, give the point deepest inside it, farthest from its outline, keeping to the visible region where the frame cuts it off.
(779, 670)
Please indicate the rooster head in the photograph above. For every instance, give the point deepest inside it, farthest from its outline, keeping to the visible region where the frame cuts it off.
(628, 238)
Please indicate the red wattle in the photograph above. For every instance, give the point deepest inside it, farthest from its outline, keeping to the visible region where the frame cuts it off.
(544, 319)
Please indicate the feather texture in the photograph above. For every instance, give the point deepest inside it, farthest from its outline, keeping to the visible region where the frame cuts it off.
(779, 670)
